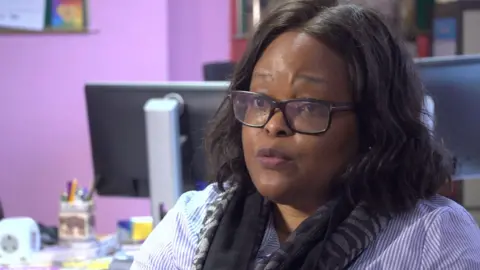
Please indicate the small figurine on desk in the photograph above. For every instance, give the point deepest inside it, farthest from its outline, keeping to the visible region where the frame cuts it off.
(77, 219)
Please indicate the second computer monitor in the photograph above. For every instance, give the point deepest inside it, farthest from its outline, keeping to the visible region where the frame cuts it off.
(454, 85)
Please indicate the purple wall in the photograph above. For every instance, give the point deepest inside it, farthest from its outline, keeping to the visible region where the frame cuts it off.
(43, 128)
(197, 42)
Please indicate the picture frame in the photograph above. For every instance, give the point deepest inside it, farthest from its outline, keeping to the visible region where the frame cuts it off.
(248, 14)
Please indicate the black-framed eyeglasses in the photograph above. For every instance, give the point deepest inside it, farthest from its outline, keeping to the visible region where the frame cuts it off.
(306, 115)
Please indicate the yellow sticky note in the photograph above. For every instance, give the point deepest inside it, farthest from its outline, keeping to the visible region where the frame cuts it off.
(99, 264)
(141, 229)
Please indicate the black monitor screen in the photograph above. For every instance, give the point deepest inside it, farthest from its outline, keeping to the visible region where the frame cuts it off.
(118, 138)
(454, 85)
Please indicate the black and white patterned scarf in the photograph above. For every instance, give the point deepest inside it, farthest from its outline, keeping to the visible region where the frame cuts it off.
(330, 239)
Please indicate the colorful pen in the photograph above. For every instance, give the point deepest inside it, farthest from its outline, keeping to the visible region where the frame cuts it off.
(73, 190)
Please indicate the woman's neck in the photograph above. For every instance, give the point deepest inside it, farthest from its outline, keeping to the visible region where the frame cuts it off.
(287, 219)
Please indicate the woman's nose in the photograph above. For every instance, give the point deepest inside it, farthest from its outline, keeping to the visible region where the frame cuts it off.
(277, 125)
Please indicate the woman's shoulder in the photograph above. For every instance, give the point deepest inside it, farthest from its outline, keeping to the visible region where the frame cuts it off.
(192, 204)
(451, 235)
(437, 234)
(441, 208)
(190, 209)
(439, 218)
(172, 243)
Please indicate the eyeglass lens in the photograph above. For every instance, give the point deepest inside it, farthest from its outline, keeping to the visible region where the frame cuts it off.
(253, 109)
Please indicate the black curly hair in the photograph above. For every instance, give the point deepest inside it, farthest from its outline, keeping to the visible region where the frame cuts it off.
(399, 162)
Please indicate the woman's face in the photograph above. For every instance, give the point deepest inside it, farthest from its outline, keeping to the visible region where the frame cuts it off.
(296, 65)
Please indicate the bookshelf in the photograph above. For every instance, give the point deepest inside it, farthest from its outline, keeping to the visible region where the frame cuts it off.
(48, 31)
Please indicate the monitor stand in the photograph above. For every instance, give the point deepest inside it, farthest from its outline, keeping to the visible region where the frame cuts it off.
(162, 118)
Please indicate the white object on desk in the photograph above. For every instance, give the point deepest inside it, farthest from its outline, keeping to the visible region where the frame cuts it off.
(164, 152)
(19, 239)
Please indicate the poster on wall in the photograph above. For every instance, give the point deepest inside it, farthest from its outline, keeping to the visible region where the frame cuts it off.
(444, 36)
(68, 14)
(23, 14)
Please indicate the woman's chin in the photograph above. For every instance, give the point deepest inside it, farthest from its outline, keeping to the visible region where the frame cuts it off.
(276, 190)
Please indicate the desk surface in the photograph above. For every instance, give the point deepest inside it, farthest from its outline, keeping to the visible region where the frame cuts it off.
(122, 259)
(97, 264)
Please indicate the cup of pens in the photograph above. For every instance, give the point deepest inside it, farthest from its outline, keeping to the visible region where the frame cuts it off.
(77, 219)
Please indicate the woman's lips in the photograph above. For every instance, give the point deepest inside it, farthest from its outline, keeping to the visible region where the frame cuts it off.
(272, 158)
(273, 162)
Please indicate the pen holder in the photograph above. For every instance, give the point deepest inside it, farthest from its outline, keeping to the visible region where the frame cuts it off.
(77, 222)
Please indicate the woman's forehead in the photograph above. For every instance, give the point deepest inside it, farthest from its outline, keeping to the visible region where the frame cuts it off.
(304, 64)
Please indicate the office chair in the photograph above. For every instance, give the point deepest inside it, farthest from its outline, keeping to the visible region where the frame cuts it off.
(2, 214)
(218, 71)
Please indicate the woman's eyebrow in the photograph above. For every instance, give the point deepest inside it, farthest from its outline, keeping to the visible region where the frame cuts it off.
(312, 79)
(263, 75)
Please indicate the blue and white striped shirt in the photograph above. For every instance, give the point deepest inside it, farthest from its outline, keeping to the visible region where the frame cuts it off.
(437, 234)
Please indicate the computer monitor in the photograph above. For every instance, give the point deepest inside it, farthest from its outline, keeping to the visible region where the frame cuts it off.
(454, 85)
(118, 132)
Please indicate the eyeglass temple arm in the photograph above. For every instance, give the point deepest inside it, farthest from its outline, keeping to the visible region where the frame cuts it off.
(342, 106)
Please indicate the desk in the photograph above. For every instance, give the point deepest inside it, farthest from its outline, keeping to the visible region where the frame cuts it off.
(116, 262)
(61, 258)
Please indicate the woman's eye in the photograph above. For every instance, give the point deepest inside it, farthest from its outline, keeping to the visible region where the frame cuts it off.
(258, 102)
(306, 108)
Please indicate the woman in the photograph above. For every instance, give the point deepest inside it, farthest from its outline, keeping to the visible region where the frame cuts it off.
(321, 157)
